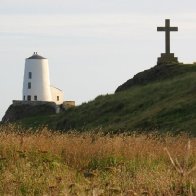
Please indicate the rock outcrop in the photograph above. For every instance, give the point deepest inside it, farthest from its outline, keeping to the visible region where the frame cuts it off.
(23, 110)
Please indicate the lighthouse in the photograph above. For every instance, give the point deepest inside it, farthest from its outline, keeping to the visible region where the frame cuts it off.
(36, 83)
(37, 93)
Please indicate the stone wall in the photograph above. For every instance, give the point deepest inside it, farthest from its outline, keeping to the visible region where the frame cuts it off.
(33, 103)
(68, 104)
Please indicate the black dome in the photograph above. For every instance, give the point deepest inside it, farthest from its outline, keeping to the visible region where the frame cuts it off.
(36, 56)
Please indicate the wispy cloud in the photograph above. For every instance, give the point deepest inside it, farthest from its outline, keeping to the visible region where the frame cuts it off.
(122, 26)
(32, 7)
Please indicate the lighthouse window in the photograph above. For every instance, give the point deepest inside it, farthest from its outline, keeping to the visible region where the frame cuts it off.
(57, 98)
(30, 75)
(29, 97)
(35, 98)
(29, 85)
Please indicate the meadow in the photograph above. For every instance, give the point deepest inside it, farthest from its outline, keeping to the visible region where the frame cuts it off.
(43, 162)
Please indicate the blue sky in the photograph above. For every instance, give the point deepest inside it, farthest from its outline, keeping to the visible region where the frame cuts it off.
(92, 46)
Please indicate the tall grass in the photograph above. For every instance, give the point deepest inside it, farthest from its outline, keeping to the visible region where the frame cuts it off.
(48, 163)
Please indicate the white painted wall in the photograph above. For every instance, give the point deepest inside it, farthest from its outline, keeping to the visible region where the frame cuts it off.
(40, 81)
(57, 93)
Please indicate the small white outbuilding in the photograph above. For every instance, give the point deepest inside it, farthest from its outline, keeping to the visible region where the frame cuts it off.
(36, 83)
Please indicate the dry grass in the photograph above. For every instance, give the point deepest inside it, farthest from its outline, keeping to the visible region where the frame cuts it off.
(46, 163)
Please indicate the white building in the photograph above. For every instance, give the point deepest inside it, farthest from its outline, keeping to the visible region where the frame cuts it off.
(36, 83)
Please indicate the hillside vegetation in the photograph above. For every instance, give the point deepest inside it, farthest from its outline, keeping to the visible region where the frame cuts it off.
(168, 103)
(48, 163)
(162, 98)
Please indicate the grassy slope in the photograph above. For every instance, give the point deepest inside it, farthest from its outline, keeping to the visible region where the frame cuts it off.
(166, 104)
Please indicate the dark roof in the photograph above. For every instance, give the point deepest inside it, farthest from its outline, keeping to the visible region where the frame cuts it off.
(36, 56)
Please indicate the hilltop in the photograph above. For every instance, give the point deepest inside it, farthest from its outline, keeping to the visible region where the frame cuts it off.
(162, 98)
(156, 73)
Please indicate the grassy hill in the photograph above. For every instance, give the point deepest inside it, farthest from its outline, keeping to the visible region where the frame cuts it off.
(162, 98)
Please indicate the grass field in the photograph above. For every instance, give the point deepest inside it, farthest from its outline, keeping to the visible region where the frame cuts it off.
(46, 163)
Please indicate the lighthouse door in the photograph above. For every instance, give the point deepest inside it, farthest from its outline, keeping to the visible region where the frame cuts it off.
(29, 98)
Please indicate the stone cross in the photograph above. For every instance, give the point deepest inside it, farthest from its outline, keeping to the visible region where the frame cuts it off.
(167, 30)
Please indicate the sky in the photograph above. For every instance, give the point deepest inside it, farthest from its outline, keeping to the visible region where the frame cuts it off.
(93, 46)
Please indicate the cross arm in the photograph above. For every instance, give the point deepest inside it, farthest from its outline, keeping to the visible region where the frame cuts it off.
(173, 28)
(161, 29)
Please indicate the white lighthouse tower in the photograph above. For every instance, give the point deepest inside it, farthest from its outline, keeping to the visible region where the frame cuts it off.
(36, 83)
